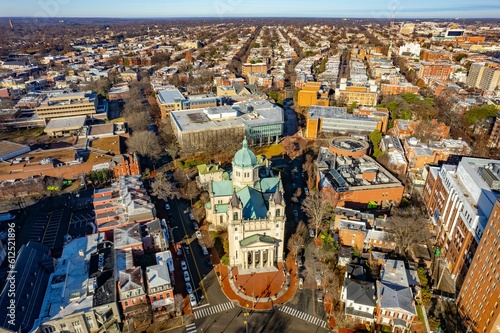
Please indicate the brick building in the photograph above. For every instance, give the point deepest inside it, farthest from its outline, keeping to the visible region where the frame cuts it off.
(435, 70)
(479, 298)
(356, 182)
(460, 200)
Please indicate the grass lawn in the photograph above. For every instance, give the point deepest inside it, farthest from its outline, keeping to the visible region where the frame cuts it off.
(270, 151)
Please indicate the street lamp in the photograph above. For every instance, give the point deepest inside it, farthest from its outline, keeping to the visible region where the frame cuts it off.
(172, 234)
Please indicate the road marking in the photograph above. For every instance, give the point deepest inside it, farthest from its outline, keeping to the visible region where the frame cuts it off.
(303, 316)
(191, 328)
(213, 310)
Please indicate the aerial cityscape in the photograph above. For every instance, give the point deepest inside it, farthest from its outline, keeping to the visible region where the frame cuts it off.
(231, 166)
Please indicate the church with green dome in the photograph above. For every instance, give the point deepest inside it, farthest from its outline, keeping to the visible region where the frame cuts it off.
(252, 208)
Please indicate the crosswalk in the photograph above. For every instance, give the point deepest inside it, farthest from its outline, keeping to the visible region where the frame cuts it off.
(191, 328)
(213, 309)
(303, 316)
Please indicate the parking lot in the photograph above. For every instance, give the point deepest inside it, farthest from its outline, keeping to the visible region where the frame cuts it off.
(81, 223)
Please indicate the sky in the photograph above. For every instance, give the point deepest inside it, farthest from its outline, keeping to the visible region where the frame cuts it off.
(373, 9)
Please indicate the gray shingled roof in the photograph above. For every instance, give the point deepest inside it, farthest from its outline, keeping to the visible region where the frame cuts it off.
(360, 292)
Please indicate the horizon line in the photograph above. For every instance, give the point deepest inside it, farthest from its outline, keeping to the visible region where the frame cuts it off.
(251, 17)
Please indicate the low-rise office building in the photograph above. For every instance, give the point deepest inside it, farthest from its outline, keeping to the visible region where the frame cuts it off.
(59, 105)
(356, 182)
(337, 120)
(360, 93)
(259, 120)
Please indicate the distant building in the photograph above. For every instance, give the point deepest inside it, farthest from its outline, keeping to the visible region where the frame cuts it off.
(313, 94)
(478, 301)
(33, 268)
(69, 104)
(484, 75)
(360, 93)
(435, 70)
(202, 101)
(119, 92)
(410, 50)
(249, 68)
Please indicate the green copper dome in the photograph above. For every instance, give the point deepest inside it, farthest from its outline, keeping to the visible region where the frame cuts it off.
(245, 157)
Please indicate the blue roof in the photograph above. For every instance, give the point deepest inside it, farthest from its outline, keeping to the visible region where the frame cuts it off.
(254, 206)
(269, 185)
(222, 188)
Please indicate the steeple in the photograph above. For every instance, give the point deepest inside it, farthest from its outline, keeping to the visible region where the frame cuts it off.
(235, 201)
(277, 197)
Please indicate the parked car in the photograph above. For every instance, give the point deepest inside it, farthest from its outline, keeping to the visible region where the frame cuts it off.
(192, 300)
(204, 250)
(209, 263)
(187, 210)
(295, 213)
(186, 248)
(186, 276)
(184, 266)
(179, 251)
(189, 289)
(167, 206)
(301, 283)
(320, 296)
(311, 233)
(306, 191)
(195, 226)
(191, 217)
(198, 234)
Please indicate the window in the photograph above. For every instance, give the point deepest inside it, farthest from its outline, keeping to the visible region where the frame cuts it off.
(221, 219)
(236, 237)
(235, 217)
(126, 303)
(278, 212)
(236, 255)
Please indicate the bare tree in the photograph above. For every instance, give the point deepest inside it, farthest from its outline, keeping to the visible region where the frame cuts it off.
(162, 188)
(178, 304)
(316, 210)
(407, 227)
(295, 242)
(144, 143)
(138, 121)
(190, 190)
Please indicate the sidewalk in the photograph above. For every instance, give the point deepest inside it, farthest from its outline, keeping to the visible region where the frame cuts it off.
(269, 289)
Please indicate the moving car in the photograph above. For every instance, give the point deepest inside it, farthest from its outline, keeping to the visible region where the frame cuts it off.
(184, 266)
(186, 276)
(192, 300)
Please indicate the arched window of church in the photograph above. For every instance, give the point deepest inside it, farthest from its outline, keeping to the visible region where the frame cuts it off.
(221, 219)
(235, 215)
(278, 212)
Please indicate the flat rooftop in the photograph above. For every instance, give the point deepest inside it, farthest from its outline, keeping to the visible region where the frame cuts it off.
(67, 290)
(249, 113)
(170, 96)
(316, 112)
(66, 123)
